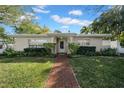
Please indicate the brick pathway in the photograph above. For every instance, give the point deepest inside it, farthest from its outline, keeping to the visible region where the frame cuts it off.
(61, 75)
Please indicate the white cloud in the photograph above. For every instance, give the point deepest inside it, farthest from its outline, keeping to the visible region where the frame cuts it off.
(70, 21)
(65, 27)
(40, 9)
(41, 6)
(75, 12)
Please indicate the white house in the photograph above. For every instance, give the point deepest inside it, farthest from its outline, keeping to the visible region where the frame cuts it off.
(61, 40)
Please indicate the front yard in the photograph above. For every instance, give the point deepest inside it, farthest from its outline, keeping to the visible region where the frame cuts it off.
(99, 71)
(24, 71)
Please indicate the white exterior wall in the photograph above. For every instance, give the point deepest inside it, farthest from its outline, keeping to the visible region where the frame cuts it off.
(97, 42)
(21, 43)
(118, 47)
(106, 44)
(114, 45)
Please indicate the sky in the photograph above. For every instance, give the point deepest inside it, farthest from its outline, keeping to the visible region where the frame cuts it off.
(64, 17)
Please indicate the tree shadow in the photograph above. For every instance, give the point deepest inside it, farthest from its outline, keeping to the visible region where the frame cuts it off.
(26, 60)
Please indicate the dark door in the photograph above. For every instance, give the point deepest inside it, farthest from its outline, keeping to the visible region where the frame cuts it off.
(61, 45)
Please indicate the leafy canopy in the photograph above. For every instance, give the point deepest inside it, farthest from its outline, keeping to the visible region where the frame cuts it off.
(10, 14)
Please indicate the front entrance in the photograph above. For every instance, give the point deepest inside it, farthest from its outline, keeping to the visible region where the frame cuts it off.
(61, 46)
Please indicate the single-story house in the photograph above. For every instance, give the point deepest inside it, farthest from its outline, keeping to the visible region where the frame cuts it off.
(61, 40)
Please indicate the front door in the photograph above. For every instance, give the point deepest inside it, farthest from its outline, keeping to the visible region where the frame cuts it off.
(61, 46)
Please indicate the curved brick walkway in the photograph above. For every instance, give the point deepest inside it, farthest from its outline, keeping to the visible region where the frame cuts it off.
(61, 75)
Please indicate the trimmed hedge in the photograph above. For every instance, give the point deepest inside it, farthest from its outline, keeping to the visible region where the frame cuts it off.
(108, 52)
(86, 50)
(37, 51)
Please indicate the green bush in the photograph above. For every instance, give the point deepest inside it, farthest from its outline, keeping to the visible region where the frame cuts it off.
(9, 52)
(37, 51)
(86, 50)
(49, 45)
(107, 52)
(98, 54)
(90, 53)
(20, 53)
(73, 48)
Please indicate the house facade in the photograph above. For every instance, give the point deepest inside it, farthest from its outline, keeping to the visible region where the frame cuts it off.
(61, 41)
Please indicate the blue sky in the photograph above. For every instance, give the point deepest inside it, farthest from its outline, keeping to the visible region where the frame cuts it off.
(65, 17)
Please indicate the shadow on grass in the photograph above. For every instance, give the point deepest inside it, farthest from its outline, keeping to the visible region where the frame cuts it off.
(47, 70)
(26, 60)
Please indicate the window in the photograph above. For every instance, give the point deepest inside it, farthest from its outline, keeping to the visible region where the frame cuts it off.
(87, 43)
(35, 46)
(61, 44)
(84, 42)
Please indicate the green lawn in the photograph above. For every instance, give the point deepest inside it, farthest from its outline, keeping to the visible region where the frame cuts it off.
(99, 71)
(24, 71)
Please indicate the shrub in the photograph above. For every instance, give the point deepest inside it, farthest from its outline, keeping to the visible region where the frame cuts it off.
(73, 48)
(86, 50)
(98, 54)
(108, 52)
(20, 53)
(49, 45)
(9, 52)
(37, 51)
(90, 53)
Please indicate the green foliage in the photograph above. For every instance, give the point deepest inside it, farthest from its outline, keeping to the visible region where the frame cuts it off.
(2, 32)
(9, 52)
(45, 29)
(49, 45)
(37, 51)
(109, 22)
(86, 50)
(24, 72)
(86, 30)
(10, 14)
(107, 52)
(28, 27)
(99, 71)
(73, 48)
(4, 36)
(122, 39)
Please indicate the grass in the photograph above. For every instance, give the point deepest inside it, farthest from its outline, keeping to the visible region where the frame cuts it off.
(24, 72)
(99, 72)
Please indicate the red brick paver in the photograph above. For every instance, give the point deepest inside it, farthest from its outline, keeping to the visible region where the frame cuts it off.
(61, 75)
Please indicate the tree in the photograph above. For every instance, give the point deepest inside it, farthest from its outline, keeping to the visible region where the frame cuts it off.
(2, 33)
(28, 27)
(57, 31)
(10, 14)
(110, 22)
(45, 29)
(86, 30)
(122, 39)
(4, 36)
